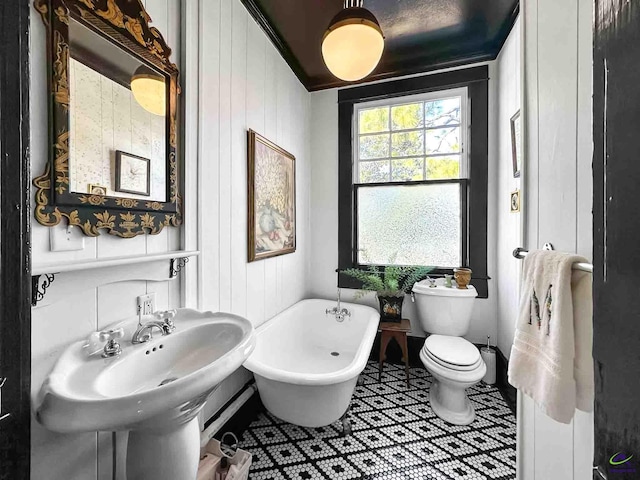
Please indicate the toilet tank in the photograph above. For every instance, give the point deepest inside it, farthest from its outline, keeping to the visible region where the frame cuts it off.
(442, 310)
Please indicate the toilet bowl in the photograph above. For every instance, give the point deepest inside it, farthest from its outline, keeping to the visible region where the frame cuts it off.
(454, 363)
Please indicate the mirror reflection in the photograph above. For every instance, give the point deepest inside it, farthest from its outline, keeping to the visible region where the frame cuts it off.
(117, 120)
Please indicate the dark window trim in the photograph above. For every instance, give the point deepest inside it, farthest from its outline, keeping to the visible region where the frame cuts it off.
(476, 80)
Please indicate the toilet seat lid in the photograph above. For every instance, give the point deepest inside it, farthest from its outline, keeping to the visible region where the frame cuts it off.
(452, 350)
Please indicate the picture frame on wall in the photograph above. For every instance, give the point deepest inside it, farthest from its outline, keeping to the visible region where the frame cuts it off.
(516, 143)
(271, 199)
(133, 174)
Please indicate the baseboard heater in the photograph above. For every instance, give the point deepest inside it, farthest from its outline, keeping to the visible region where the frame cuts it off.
(227, 412)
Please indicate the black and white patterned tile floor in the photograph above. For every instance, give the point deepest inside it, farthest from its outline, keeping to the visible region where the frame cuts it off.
(396, 436)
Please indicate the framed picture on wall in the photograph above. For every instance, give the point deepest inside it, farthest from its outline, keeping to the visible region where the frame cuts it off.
(516, 143)
(133, 174)
(272, 199)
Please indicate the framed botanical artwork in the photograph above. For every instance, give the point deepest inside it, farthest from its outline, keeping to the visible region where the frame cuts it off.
(516, 143)
(514, 201)
(272, 199)
(133, 174)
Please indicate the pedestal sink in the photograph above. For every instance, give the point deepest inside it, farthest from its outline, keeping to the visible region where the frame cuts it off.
(155, 390)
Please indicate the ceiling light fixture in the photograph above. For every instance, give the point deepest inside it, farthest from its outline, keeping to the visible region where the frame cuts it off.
(148, 89)
(353, 44)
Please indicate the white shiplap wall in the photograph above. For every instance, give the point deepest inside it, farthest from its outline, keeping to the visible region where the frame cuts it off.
(509, 225)
(557, 46)
(232, 79)
(244, 83)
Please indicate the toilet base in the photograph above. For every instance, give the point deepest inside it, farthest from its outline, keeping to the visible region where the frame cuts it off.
(458, 409)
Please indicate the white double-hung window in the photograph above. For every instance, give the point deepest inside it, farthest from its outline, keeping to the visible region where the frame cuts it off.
(411, 179)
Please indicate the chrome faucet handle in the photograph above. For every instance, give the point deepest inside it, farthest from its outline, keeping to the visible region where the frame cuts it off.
(112, 347)
(166, 317)
(165, 314)
(114, 334)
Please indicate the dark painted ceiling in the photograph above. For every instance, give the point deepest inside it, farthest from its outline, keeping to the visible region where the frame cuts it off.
(420, 35)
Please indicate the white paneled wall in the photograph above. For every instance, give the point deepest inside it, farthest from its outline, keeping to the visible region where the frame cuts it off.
(509, 235)
(557, 96)
(245, 83)
(233, 79)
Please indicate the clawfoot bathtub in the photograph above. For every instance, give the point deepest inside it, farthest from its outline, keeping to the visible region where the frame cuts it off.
(306, 362)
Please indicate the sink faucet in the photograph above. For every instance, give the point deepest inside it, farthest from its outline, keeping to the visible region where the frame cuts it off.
(163, 322)
(337, 311)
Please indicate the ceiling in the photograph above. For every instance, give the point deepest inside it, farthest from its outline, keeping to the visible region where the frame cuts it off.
(420, 35)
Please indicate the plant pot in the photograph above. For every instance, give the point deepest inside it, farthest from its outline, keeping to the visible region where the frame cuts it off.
(391, 307)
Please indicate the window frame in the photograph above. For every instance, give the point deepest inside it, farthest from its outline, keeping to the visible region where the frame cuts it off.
(475, 79)
(461, 92)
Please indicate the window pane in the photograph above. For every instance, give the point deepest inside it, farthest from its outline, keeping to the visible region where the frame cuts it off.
(407, 116)
(407, 169)
(374, 146)
(374, 120)
(406, 144)
(418, 225)
(442, 168)
(442, 112)
(371, 172)
(443, 140)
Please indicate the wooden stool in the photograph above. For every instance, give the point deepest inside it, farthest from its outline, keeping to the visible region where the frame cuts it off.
(398, 331)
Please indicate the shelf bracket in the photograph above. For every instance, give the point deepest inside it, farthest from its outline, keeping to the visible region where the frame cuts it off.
(38, 289)
(176, 265)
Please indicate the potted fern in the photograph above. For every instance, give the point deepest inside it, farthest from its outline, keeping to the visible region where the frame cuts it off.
(390, 284)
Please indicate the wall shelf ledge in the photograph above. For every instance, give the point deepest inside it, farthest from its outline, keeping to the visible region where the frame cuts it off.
(77, 276)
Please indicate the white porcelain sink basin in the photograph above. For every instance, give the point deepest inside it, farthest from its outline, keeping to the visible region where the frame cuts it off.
(155, 389)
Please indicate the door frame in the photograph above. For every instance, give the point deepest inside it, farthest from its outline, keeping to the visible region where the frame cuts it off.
(15, 242)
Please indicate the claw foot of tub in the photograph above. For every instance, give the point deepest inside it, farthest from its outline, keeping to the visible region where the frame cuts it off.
(346, 427)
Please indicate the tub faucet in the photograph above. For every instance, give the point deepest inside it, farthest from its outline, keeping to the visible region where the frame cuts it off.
(339, 312)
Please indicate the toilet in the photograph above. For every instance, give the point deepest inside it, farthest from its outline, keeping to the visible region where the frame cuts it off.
(454, 362)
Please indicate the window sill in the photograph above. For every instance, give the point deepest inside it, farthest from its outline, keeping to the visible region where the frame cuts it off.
(481, 283)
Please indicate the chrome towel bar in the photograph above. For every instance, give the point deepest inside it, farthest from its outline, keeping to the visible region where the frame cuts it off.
(585, 267)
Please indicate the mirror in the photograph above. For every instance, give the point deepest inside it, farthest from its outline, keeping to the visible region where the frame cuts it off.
(117, 117)
(114, 92)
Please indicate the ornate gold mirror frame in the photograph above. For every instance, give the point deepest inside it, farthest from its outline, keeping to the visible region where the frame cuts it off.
(125, 23)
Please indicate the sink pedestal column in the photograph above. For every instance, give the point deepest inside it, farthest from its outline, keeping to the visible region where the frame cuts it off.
(170, 454)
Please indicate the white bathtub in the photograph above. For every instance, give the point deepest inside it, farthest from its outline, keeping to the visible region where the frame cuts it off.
(299, 376)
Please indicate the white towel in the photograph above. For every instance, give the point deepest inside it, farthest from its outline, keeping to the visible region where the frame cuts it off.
(551, 358)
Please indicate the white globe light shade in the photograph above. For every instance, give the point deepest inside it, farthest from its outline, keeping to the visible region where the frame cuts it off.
(149, 90)
(352, 47)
